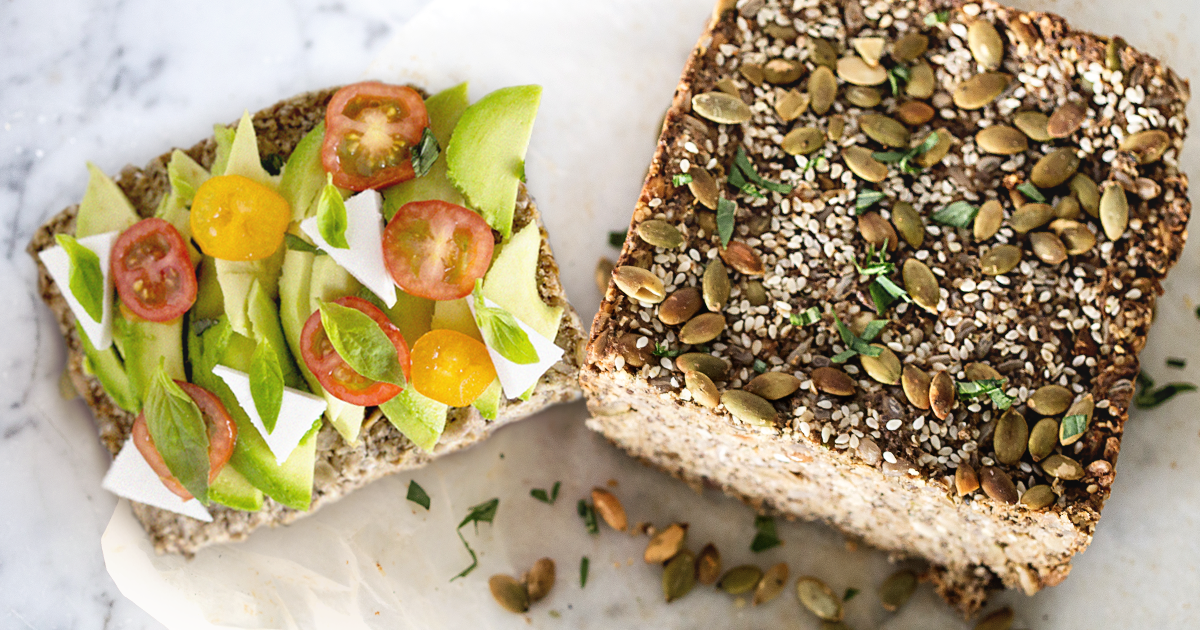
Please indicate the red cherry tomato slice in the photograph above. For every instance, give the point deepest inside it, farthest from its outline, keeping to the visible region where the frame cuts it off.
(153, 273)
(437, 250)
(370, 129)
(334, 374)
(222, 433)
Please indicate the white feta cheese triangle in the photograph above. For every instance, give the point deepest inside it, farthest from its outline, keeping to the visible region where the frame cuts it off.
(516, 379)
(58, 263)
(131, 477)
(364, 235)
(296, 415)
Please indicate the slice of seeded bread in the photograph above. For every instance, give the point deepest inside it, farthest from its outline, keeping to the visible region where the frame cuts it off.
(856, 443)
(340, 467)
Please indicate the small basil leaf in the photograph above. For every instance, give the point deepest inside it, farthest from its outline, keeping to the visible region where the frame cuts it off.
(874, 327)
(1031, 191)
(959, 214)
(179, 433)
(805, 318)
(742, 163)
(617, 239)
(86, 280)
(682, 179)
(866, 199)
(765, 536)
(501, 331)
(426, 153)
(725, 217)
(331, 216)
(266, 383)
(361, 343)
(417, 494)
(295, 243)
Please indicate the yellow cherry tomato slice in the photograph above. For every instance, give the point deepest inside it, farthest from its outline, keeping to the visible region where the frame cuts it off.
(236, 218)
(451, 367)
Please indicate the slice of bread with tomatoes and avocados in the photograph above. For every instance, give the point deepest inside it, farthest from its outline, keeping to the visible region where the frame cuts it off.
(347, 284)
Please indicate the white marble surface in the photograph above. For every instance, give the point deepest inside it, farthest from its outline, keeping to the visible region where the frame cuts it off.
(118, 82)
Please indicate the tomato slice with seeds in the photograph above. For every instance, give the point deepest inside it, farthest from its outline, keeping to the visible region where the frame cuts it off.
(370, 129)
(153, 272)
(222, 433)
(437, 250)
(334, 374)
(451, 367)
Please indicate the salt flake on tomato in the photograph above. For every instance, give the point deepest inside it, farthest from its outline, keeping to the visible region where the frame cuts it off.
(58, 263)
(364, 235)
(132, 478)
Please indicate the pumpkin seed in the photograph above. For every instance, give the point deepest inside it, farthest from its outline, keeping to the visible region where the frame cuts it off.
(1042, 439)
(740, 579)
(1067, 119)
(755, 293)
(771, 584)
(837, 127)
(773, 385)
(1033, 124)
(921, 284)
(1067, 208)
(1054, 168)
(706, 220)
(680, 306)
(660, 234)
(786, 33)
(981, 90)
(714, 368)
(1031, 216)
(609, 507)
(884, 130)
(1112, 54)
(783, 71)
(704, 187)
(726, 85)
(870, 49)
(864, 97)
(1002, 140)
(716, 285)
(1087, 192)
(1048, 248)
(1039, 497)
(981, 372)
(884, 368)
(854, 70)
(1085, 407)
(934, 156)
(722, 108)
(702, 328)
(753, 73)
(819, 599)
(831, 380)
(1114, 211)
(1147, 146)
(628, 347)
(1000, 620)
(998, 485)
(791, 104)
(941, 394)
(708, 564)
(909, 224)
(822, 52)
(1011, 437)
(915, 383)
(1051, 400)
(639, 284)
(509, 593)
(822, 90)
(703, 390)
(679, 578)
(1000, 260)
(861, 162)
(965, 479)
(749, 408)
(985, 44)
(742, 258)
(803, 141)
(909, 47)
(988, 220)
(665, 544)
(915, 113)
(604, 269)
(1062, 467)
(897, 590)
(921, 82)
(540, 579)
(877, 231)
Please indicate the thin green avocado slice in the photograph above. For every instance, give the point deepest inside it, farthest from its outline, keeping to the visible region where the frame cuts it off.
(237, 277)
(304, 175)
(488, 403)
(486, 155)
(244, 159)
(144, 344)
(445, 109)
(512, 282)
(232, 489)
(420, 419)
(411, 314)
(265, 324)
(104, 208)
(108, 368)
(455, 315)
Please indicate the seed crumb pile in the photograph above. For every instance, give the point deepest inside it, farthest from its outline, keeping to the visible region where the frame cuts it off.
(900, 254)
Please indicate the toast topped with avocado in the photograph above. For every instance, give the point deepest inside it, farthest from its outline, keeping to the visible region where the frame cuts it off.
(347, 284)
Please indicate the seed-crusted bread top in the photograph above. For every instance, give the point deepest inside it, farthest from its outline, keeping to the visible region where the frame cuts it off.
(1046, 304)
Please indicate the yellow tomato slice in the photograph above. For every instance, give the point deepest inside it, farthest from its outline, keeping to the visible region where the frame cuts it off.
(236, 218)
(451, 367)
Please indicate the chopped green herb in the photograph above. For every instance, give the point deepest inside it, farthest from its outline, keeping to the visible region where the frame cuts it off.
(682, 179)
(617, 239)
(896, 76)
(760, 366)
(885, 292)
(426, 153)
(993, 388)
(937, 17)
(904, 158)
(725, 217)
(1198, 312)
(1031, 191)
(850, 594)
(1176, 363)
(743, 164)
(295, 243)
(483, 513)
(866, 199)
(583, 571)
(1149, 397)
(959, 214)
(804, 318)
(417, 494)
(858, 345)
(546, 497)
(737, 180)
(813, 163)
(273, 163)
(876, 263)
(662, 351)
(588, 513)
(1073, 425)
(765, 537)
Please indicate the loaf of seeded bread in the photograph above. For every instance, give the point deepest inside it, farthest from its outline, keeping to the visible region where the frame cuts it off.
(340, 467)
(1044, 305)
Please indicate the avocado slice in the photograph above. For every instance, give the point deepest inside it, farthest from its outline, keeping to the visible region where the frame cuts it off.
(186, 176)
(455, 315)
(412, 315)
(512, 282)
(488, 403)
(420, 419)
(144, 344)
(232, 489)
(265, 323)
(304, 175)
(108, 368)
(486, 155)
(243, 154)
(104, 208)
(445, 109)
(223, 136)
(237, 277)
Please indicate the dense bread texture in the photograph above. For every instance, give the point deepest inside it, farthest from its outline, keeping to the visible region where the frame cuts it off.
(1046, 306)
(340, 467)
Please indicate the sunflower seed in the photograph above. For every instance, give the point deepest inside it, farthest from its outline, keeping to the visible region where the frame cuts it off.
(1054, 168)
(870, 49)
(1085, 407)
(771, 584)
(1067, 208)
(822, 52)
(708, 565)
(704, 187)
(665, 544)
(509, 593)
(540, 579)
(1051, 400)
(716, 286)
(998, 485)
(609, 507)
(921, 82)
(791, 104)
(740, 579)
(680, 306)
(831, 380)
(864, 97)
(921, 284)
(855, 71)
(985, 44)
(1038, 497)
(749, 408)
(1114, 211)
(714, 368)
(884, 368)
(628, 347)
(1042, 439)
(988, 220)
(783, 71)
(909, 224)
(884, 130)
(862, 163)
(981, 90)
(702, 328)
(1147, 188)
(639, 284)
(753, 73)
(660, 234)
(1034, 125)
(965, 479)
(1002, 140)
(679, 577)
(822, 90)
(1000, 260)
(773, 385)
(897, 589)
(720, 107)
(1062, 467)
(941, 394)
(742, 258)
(1067, 119)
(1147, 146)
(604, 269)
(1000, 620)
(915, 383)
(803, 140)
(934, 156)
(915, 113)
(1031, 216)
(1048, 248)
(981, 372)
(1087, 192)
(909, 47)
(877, 231)
(1011, 437)
(819, 599)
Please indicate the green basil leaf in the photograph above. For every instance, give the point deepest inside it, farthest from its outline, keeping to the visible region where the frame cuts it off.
(737, 180)
(895, 291)
(361, 343)
(810, 316)
(765, 536)
(1176, 363)
(266, 383)
(178, 431)
(742, 163)
(927, 145)
(1150, 398)
(617, 239)
(501, 331)
(331, 216)
(842, 357)
(959, 214)
(682, 179)
(295, 243)
(417, 494)
(584, 563)
(866, 199)
(874, 327)
(889, 157)
(856, 345)
(992, 388)
(587, 512)
(850, 594)
(426, 153)
(1031, 191)
(880, 297)
(760, 366)
(937, 17)
(725, 217)
(86, 279)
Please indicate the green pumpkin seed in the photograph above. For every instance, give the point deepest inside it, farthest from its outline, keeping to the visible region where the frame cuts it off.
(822, 90)
(1112, 54)
(666, 544)
(934, 156)
(1048, 248)
(660, 234)
(1055, 168)
(1033, 124)
(1147, 146)
(1085, 407)
(909, 47)
(1011, 437)
(771, 584)
(833, 381)
(1042, 439)
(680, 306)
(998, 485)
(509, 592)
(965, 479)
(981, 372)
(941, 394)
(855, 71)
(1000, 620)
(1114, 211)
(540, 579)
(864, 97)
(726, 85)
(1067, 119)
(981, 90)
(704, 187)
(897, 590)
(1031, 216)
(714, 368)
(755, 293)
(915, 383)
(791, 104)
(779, 31)
(861, 162)
(1051, 400)
(679, 577)
(708, 565)
(749, 408)
(1068, 208)
(722, 108)
(1000, 260)
(753, 73)
(988, 220)
(884, 368)
(921, 81)
(773, 385)
(819, 599)
(703, 390)
(716, 285)
(783, 71)
(803, 141)
(877, 231)
(921, 284)
(909, 224)
(702, 328)
(822, 53)
(870, 49)
(740, 580)
(1039, 497)
(1002, 140)
(1087, 192)
(742, 258)
(639, 284)
(1062, 467)
(884, 130)
(985, 44)
(837, 127)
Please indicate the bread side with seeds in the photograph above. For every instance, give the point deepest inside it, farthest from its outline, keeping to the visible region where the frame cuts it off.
(340, 467)
(949, 231)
